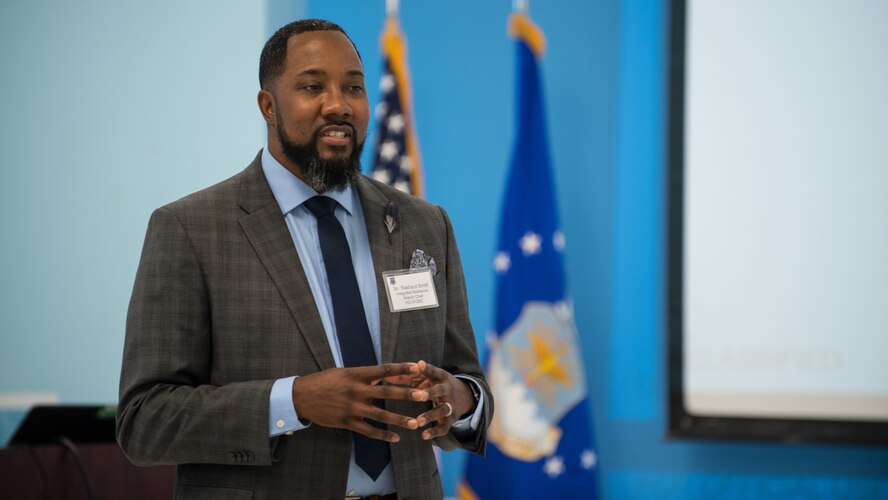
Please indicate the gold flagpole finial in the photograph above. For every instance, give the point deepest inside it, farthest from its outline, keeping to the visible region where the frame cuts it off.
(522, 28)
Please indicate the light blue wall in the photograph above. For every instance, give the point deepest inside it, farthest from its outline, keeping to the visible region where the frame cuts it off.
(111, 109)
(108, 110)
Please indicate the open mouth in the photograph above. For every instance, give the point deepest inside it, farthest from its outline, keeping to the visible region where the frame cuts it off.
(336, 135)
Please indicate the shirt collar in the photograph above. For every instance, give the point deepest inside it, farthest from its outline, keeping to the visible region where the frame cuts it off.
(291, 191)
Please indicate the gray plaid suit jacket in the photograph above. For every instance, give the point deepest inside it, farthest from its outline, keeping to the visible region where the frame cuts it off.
(221, 308)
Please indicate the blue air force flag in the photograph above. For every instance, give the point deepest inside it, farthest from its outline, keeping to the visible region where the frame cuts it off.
(540, 444)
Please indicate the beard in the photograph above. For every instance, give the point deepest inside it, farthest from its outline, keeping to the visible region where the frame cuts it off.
(322, 174)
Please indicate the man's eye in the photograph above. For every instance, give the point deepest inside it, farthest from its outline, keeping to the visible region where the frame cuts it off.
(311, 87)
(356, 89)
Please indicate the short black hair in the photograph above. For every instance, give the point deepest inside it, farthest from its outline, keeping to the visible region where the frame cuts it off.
(274, 54)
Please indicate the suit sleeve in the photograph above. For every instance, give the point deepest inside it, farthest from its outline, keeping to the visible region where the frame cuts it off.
(460, 351)
(169, 411)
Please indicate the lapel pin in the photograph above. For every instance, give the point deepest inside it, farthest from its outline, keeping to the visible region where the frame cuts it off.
(391, 217)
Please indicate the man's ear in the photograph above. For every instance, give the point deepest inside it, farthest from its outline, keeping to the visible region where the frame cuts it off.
(267, 107)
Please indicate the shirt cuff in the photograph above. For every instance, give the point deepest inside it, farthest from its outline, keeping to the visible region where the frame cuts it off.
(471, 422)
(282, 418)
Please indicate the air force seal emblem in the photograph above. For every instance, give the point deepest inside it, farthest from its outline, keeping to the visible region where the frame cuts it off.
(536, 373)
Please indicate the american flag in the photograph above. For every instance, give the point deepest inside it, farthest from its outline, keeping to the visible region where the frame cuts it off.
(396, 161)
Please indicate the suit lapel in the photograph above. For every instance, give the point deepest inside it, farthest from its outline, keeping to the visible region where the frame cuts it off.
(388, 255)
(267, 231)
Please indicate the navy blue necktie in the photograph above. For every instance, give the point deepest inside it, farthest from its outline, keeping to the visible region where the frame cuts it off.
(355, 343)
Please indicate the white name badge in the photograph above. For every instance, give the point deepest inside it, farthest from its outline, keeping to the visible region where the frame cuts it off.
(410, 289)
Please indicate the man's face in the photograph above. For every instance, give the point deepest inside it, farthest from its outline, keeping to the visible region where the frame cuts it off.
(320, 110)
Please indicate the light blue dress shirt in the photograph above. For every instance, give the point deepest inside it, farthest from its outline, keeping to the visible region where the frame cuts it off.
(290, 192)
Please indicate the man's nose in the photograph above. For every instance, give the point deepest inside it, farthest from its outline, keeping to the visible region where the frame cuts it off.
(336, 104)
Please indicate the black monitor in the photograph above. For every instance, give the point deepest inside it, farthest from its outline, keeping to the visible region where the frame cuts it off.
(80, 424)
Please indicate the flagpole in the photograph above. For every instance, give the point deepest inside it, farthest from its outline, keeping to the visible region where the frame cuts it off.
(391, 8)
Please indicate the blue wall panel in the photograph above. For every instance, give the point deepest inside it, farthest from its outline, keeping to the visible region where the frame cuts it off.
(637, 323)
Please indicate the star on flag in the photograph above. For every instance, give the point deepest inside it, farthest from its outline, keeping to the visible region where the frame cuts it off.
(558, 241)
(502, 262)
(554, 466)
(588, 459)
(530, 243)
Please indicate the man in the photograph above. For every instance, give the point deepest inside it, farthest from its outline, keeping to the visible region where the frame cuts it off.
(263, 354)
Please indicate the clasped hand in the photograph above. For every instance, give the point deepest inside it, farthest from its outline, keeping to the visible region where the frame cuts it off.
(343, 398)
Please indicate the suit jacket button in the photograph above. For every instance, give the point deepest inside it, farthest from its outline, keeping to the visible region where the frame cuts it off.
(233, 456)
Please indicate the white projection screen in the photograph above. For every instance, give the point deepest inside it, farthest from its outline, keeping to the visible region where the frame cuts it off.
(778, 221)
